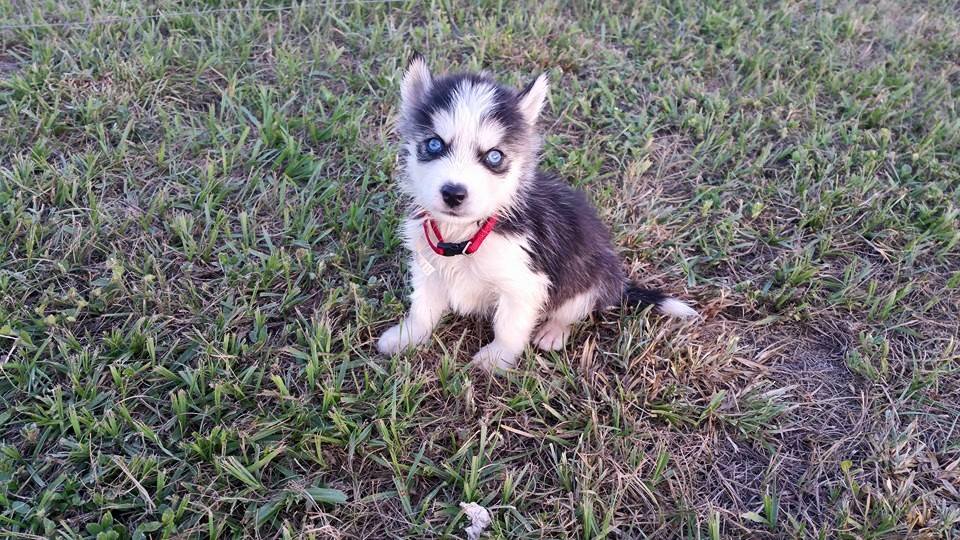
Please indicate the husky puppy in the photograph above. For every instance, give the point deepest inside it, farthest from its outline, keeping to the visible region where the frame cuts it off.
(489, 233)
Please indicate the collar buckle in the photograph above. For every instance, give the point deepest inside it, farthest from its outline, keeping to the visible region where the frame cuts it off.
(452, 249)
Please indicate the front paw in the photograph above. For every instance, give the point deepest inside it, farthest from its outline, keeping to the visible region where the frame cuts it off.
(493, 357)
(552, 336)
(395, 340)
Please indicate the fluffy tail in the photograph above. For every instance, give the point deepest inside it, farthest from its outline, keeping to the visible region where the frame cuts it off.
(635, 296)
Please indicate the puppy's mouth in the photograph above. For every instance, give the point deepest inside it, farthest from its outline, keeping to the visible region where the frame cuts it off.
(454, 216)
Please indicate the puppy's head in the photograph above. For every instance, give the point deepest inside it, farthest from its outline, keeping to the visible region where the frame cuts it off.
(469, 144)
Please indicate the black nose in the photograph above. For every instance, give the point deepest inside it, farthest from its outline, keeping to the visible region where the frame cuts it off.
(453, 194)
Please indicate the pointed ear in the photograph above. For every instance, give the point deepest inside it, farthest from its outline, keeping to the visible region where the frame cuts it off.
(531, 99)
(416, 82)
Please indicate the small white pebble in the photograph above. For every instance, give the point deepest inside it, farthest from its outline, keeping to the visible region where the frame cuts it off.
(479, 519)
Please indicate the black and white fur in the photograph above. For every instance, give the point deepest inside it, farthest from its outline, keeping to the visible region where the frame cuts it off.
(549, 261)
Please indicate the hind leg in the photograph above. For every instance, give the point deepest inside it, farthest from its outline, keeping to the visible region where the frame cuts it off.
(555, 329)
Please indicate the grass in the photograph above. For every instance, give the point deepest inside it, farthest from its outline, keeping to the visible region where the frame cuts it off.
(198, 247)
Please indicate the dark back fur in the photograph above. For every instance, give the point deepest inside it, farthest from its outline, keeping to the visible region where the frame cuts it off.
(569, 243)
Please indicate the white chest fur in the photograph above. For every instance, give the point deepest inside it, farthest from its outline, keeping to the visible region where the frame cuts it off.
(474, 283)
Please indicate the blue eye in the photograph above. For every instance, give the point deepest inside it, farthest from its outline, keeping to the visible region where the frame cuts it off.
(434, 145)
(493, 158)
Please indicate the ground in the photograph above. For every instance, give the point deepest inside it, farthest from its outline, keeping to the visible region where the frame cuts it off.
(198, 249)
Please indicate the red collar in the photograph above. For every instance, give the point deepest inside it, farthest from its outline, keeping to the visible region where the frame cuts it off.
(450, 249)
